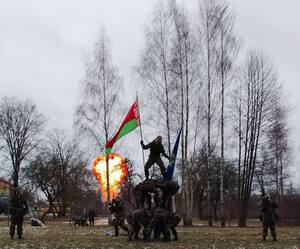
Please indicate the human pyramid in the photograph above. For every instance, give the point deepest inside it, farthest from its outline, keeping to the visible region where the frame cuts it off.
(158, 216)
(153, 209)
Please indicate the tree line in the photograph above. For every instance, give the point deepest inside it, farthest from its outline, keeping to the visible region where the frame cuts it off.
(192, 73)
(42, 163)
(195, 75)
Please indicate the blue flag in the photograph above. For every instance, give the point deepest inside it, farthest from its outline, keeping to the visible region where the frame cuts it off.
(170, 170)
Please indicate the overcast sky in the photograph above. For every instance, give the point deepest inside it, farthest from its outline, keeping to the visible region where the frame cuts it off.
(42, 44)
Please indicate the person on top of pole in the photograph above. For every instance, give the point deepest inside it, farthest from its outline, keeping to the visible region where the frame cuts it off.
(156, 149)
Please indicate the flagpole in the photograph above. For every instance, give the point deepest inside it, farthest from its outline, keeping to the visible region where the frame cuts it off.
(141, 133)
(107, 179)
(107, 183)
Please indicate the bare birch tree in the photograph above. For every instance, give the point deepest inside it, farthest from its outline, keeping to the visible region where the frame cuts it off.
(185, 65)
(100, 89)
(226, 51)
(258, 94)
(155, 72)
(20, 128)
(209, 20)
(279, 146)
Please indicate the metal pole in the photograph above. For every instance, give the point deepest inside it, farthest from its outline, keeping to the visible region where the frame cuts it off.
(141, 133)
(107, 179)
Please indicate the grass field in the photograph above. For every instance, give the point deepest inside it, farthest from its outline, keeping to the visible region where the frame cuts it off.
(64, 236)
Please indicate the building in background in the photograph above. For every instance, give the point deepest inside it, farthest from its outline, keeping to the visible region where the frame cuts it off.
(5, 188)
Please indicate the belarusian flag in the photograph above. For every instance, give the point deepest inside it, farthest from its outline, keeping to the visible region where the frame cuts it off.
(130, 122)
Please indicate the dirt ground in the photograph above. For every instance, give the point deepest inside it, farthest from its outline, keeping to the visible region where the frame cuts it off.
(62, 235)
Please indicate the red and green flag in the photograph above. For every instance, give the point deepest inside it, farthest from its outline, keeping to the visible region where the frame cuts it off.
(130, 122)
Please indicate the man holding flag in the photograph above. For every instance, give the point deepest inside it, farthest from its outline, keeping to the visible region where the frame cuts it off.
(131, 122)
(156, 149)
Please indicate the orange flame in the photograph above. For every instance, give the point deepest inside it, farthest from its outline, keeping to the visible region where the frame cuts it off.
(117, 174)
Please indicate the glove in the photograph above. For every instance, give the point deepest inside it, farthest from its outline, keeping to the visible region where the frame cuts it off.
(142, 142)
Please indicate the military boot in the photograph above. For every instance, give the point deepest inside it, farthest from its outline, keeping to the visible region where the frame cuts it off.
(12, 231)
(19, 232)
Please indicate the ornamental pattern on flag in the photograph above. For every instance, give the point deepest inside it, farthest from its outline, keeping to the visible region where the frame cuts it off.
(130, 122)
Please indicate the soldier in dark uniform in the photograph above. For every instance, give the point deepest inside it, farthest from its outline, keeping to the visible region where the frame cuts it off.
(156, 149)
(117, 210)
(18, 208)
(169, 188)
(268, 217)
(138, 218)
(173, 221)
(91, 215)
(160, 222)
(143, 192)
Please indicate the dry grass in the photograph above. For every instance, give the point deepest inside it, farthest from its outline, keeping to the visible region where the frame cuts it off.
(64, 236)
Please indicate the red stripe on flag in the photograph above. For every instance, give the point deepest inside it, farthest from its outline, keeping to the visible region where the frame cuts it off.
(132, 114)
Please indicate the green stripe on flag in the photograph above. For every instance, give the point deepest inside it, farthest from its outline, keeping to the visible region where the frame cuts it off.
(128, 127)
(107, 151)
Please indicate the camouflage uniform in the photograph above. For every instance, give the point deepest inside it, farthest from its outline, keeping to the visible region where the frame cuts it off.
(142, 192)
(117, 210)
(169, 188)
(18, 208)
(159, 221)
(173, 221)
(156, 149)
(138, 218)
(268, 217)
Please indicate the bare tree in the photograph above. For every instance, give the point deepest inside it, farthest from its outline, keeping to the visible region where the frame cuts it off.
(69, 160)
(169, 71)
(185, 65)
(278, 145)
(209, 15)
(155, 70)
(271, 173)
(258, 95)
(226, 51)
(100, 89)
(43, 172)
(20, 127)
(59, 170)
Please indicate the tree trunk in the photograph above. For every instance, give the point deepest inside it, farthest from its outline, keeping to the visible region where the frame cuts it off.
(222, 207)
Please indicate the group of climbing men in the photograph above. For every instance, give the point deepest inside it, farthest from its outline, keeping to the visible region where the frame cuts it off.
(153, 209)
(157, 194)
(153, 197)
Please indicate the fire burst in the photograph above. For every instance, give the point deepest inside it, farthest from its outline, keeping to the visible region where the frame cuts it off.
(117, 174)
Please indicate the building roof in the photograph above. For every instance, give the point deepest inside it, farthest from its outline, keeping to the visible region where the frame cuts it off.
(5, 181)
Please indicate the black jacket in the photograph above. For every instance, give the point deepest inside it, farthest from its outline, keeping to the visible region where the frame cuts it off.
(116, 208)
(269, 215)
(91, 215)
(156, 149)
(18, 208)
